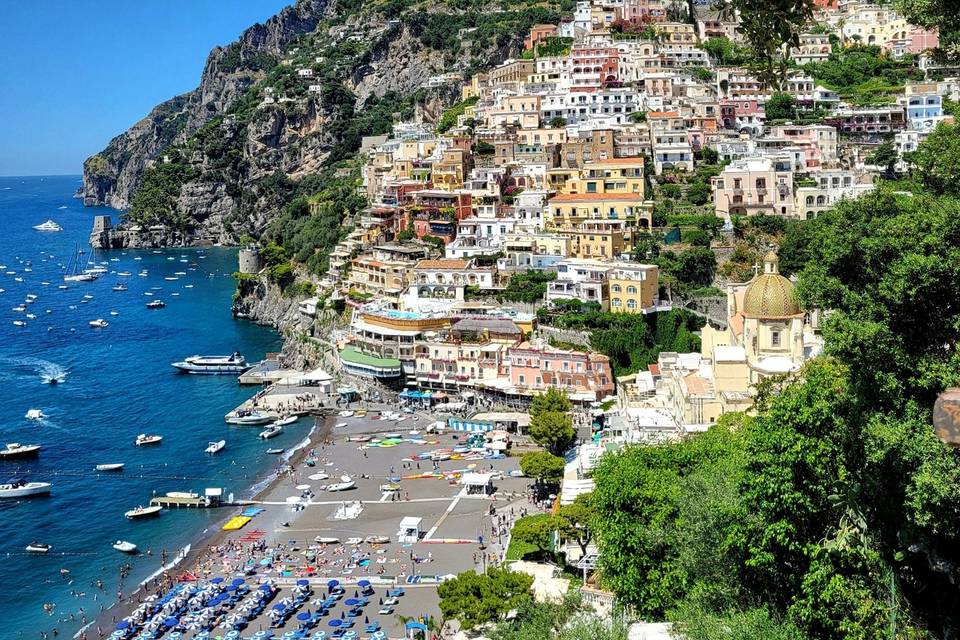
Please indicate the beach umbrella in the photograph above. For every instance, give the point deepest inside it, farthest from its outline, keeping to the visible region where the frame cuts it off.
(123, 624)
(303, 616)
(333, 583)
(217, 580)
(335, 623)
(351, 601)
(266, 587)
(171, 622)
(303, 583)
(231, 587)
(279, 607)
(238, 581)
(364, 583)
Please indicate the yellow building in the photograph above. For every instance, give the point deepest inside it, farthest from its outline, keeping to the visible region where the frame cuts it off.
(599, 239)
(634, 288)
(565, 211)
(616, 175)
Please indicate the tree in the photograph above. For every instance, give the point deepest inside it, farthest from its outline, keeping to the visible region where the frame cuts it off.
(699, 193)
(941, 15)
(543, 466)
(575, 521)
(780, 106)
(558, 122)
(553, 430)
(709, 155)
(936, 163)
(885, 155)
(536, 531)
(476, 599)
(695, 266)
(551, 400)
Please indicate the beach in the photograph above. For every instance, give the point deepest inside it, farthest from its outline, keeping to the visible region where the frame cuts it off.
(296, 510)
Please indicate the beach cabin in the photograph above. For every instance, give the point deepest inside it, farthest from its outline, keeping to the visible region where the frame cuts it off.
(409, 530)
(478, 484)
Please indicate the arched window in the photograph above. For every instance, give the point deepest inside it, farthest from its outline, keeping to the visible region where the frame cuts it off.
(631, 304)
(631, 289)
(615, 288)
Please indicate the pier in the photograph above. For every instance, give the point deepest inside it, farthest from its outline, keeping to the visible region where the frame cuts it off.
(212, 497)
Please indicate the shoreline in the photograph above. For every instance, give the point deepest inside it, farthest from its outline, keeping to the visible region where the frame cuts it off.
(198, 548)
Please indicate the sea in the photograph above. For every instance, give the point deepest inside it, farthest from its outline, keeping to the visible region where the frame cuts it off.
(111, 384)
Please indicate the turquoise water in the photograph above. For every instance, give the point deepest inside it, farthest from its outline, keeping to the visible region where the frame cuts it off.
(117, 383)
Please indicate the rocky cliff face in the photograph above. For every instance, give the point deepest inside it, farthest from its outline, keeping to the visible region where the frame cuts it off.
(111, 176)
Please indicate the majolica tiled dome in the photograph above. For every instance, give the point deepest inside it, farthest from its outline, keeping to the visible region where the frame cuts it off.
(770, 295)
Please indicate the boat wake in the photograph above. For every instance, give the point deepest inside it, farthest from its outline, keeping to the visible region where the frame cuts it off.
(49, 372)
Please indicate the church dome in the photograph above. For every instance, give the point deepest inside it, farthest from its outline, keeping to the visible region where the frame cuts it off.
(769, 294)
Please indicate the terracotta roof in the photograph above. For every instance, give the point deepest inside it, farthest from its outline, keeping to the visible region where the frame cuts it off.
(662, 114)
(596, 197)
(442, 264)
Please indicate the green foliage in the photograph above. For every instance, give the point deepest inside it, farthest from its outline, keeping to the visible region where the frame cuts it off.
(528, 286)
(780, 106)
(566, 620)
(553, 400)
(936, 163)
(476, 599)
(631, 341)
(699, 194)
(697, 623)
(535, 532)
(885, 155)
(553, 430)
(694, 267)
(433, 241)
(940, 15)
(155, 200)
(542, 466)
(558, 122)
(638, 117)
(771, 28)
(670, 190)
(725, 53)
(482, 148)
(300, 289)
(576, 521)
(702, 74)
(863, 73)
(449, 117)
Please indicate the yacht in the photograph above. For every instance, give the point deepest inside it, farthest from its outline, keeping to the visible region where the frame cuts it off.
(49, 225)
(215, 446)
(20, 489)
(17, 450)
(271, 432)
(142, 512)
(156, 304)
(143, 439)
(124, 546)
(38, 547)
(99, 323)
(250, 419)
(233, 364)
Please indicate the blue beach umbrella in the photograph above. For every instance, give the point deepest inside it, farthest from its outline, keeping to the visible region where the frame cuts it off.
(123, 624)
(238, 581)
(351, 601)
(231, 587)
(278, 607)
(303, 616)
(303, 583)
(336, 622)
(364, 583)
(171, 622)
(333, 583)
(217, 580)
(266, 587)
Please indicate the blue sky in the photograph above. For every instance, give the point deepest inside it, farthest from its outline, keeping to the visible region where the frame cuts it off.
(75, 73)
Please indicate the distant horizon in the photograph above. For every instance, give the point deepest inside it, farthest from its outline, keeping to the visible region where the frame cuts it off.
(42, 175)
(72, 84)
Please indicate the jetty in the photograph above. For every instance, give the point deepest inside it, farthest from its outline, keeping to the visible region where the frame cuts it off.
(212, 497)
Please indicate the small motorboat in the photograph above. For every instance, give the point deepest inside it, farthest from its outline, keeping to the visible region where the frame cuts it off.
(346, 413)
(38, 547)
(353, 541)
(119, 287)
(143, 439)
(326, 540)
(17, 450)
(377, 539)
(215, 446)
(124, 546)
(271, 432)
(253, 418)
(113, 466)
(282, 422)
(35, 414)
(363, 438)
(390, 486)
(143, 512)
(99, 323)
(19, 323)
(340, 425)
(274, 452)
(49, 225)
(189, 495)
(346, 483)
(156, 304)
(20, 489)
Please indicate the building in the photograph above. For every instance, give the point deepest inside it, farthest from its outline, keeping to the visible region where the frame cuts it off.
(634, 288)
(754, 185)
(579, 279)
(537, 367)
(569, 210)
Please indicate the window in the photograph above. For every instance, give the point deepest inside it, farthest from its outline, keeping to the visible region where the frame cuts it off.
(775, 338)
(616, 303)
(631, 304)
(521, 379)
(631, 289)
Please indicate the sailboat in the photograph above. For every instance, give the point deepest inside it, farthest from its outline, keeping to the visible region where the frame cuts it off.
(74, 271)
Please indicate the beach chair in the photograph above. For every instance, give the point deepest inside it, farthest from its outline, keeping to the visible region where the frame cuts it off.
(372, 627)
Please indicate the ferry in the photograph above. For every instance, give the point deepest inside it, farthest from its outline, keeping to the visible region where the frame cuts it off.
(49, 225)
(19, 489)
(213, 365)
(17, 450)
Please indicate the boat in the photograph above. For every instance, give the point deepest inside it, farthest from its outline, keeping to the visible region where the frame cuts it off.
(38, 547)
(119, 287)
(19, 323)
(123, 273)
(112, 466)
(49, 225)
(326, 540)
(340, 425)
(390, 486)
(377, 539)
(143, 512)
(16, 488)
(143, 439)
(35, 414)
(271, 432)
(215, 446)
(346, 483)
(274, 452)
(74, 274)
(353, 541)
(282, 422)
(252, 418)
(213, 365)
(17, 450)
(361, 438)
(99, 323)
(124, 546)
(156, 304)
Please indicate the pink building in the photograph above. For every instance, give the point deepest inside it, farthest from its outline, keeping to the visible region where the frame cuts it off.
(595, 66)
(539, 367)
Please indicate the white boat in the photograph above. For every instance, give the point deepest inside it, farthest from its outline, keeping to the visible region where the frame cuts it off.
(99, 323)
(216, 446)
(49, 225)
(189, 495)
(340, 425)
(282, 422)
(346, 413)
(274, 451)
(20, 489)
(124, 546)
(232, 364)
(271, 432)
(17, 450)
(345, 484)
(119, 287)
(377, 539)
(143, 512)
(250, 419)
(112, 466)
(156, 304)
(123, 273)
(80, 277)
(326, 540)
(19, 323)
(37, 547)
(35, 414)
(143, 439)
(353, 541)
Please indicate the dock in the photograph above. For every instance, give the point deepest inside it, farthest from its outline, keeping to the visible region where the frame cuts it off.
(167, 502)
(264, 373)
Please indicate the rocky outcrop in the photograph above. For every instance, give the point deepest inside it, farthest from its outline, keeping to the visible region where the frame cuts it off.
(111, 176)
